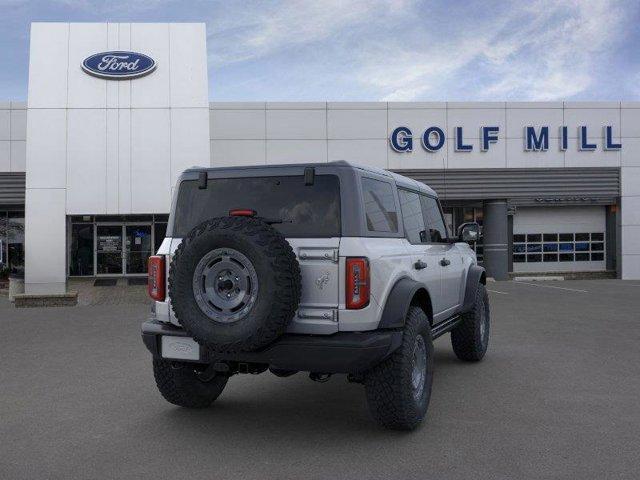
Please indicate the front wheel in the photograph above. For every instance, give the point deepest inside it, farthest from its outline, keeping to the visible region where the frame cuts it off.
(180, 385)
(399, 388)
(470, 338)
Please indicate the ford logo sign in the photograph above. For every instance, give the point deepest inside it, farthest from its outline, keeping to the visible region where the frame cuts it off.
(118, 65)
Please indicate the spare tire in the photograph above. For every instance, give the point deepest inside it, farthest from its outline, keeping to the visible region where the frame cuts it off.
(234, 283)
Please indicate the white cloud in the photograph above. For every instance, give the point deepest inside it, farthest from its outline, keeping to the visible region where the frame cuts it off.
(248, 33)
(545, 51)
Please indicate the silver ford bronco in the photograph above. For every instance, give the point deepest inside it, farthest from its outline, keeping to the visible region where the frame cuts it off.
(322, 268)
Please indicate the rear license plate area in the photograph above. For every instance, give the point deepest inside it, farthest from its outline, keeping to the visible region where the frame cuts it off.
(180, 348)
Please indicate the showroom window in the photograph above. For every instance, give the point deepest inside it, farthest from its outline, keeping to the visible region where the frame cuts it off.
(11, 243)
(114, 245)
(558, 247)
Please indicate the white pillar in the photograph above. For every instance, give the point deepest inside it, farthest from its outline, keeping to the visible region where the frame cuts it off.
(97, 146)
(630, 191)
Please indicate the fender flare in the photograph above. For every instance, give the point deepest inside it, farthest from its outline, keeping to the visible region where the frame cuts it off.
(475, 276)
(398, 303)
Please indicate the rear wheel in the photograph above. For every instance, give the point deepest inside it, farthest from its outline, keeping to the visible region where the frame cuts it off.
(399, 388)
(179, 384)
(470, 338)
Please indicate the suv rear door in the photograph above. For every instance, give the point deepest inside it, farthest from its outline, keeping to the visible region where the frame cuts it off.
(426, 255)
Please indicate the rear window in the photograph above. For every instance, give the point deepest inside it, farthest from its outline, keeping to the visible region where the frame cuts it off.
(306, 210)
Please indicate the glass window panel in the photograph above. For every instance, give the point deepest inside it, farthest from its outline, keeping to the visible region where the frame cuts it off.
(81, 251)
(534, 237)
(306, 210)
(82, 218)
(519, 258)
(110, 218)
(582, 247)
(437, 232)
(380, 208)
(519, 238)
(566, 257)
(581, 237)
(479, 216)
(15, 242)
(550, 257)
(534, 258)
(138, 248)
(582, 257)
(467, 214)
(566, 237)
(534, 247)
(550, 237)
(598, 237)
(4, 267)
(597, 247)
(109, 249)
(520, 248)
(597, 257)
(566, 247)
(160, 231)
(550, 247)
(411, 210)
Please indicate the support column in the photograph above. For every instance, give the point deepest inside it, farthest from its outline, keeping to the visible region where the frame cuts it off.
(496, 239)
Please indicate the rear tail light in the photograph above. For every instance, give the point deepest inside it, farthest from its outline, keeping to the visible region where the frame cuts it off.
(358, 282)
(156, 282)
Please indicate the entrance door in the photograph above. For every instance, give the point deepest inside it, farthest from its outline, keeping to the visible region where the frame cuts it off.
(109, 250)
(138, 248)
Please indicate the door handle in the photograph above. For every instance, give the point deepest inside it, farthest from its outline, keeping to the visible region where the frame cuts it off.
(419, 265)
(444, 262)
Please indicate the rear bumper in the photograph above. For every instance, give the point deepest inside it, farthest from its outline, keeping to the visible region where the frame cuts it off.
(342, 352)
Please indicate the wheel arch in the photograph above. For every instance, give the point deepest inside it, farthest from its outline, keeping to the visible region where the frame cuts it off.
(405, 293)
(476, 276)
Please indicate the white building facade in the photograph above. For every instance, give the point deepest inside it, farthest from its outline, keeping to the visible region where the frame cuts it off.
(556, 184)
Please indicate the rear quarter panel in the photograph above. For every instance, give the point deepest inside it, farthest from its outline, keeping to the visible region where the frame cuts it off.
(389, 261)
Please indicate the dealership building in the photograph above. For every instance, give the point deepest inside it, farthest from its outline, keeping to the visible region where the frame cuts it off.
(116, 111)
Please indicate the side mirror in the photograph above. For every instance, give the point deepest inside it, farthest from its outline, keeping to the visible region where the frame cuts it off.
(469, 232)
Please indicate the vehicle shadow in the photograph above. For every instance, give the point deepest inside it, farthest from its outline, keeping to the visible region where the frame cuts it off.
(265, 406)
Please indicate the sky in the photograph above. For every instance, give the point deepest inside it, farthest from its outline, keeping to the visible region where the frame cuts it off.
(377, 50)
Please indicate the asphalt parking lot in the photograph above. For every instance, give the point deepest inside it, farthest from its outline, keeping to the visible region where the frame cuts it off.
(558, 396)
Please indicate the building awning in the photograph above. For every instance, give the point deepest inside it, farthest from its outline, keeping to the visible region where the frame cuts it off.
(525, 186)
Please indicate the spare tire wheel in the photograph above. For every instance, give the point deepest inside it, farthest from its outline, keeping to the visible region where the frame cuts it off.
(234, 283)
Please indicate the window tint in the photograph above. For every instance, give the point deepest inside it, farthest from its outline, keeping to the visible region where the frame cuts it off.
(306, 210)
(379, 206)
(412, 216)
(437, 232)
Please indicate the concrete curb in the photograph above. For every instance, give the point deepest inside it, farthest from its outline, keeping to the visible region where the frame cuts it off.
(68, 299)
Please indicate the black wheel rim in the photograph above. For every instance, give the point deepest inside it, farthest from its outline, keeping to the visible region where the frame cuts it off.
(225, 285)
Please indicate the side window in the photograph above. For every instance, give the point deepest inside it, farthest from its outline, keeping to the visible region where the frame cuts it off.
(412, 216)
(379, 206)
(437, 232)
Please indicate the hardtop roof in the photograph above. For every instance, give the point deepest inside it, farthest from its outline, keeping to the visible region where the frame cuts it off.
(400, 180)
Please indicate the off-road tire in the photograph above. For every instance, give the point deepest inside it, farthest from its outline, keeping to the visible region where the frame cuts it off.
(388, 385)
(469, 339)
(179, 384)
(278, 274)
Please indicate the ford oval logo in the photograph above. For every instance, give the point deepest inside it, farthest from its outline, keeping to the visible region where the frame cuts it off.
(118, 65)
